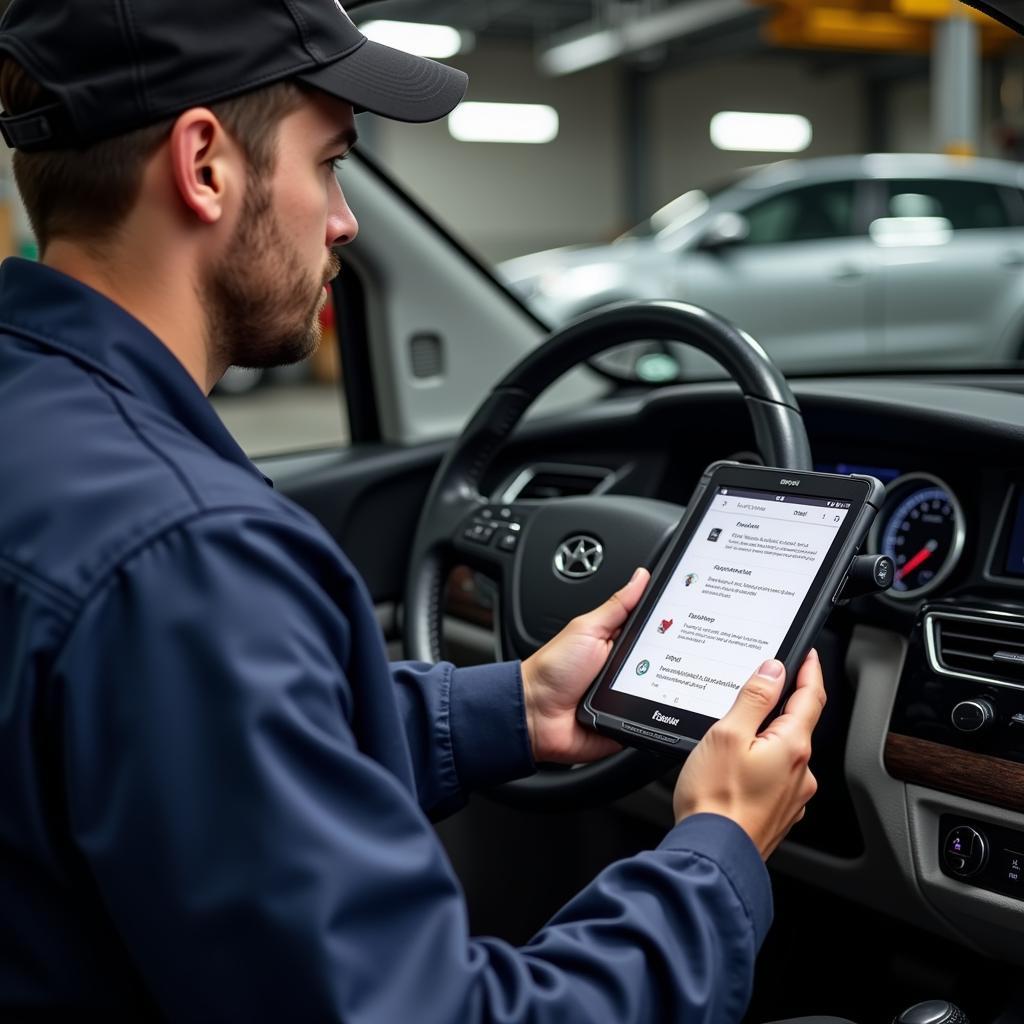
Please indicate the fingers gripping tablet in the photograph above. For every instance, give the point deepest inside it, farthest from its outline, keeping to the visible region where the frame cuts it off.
(750, 574)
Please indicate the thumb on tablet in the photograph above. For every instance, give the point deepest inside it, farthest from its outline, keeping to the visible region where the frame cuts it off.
(761, 782)
(757, 698)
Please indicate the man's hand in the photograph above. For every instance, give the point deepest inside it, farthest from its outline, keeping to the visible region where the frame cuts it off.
(761, 781)
(556, 677)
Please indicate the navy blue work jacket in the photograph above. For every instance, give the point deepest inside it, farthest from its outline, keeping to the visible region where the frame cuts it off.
(214, 789)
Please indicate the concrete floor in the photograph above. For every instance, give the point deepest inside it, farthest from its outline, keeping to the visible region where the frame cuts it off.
(277, 418)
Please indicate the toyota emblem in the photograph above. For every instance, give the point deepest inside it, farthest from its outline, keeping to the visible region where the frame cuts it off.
(579, 557)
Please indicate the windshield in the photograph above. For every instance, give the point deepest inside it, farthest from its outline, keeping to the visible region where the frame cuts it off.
(841, 233)
(679, 212)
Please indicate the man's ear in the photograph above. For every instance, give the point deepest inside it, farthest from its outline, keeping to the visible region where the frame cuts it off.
(204, 164)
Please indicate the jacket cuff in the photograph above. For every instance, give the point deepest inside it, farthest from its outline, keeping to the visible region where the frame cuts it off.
(722, 841)
(490, 739)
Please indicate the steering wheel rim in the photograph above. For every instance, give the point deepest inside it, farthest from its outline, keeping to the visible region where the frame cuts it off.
(454, 500)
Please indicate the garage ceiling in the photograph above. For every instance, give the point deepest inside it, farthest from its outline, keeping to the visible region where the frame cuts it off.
(491, 17)
(530, 19)
(537, 21)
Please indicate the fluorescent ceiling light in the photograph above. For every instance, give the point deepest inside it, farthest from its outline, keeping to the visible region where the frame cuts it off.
(503, 122)
(760, 133)
(579, 48)
(584, 52)
(437, 41)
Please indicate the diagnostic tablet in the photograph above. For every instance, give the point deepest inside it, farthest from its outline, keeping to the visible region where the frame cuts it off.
(751, 573)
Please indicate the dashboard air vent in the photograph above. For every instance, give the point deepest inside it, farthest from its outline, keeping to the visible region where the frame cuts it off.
(983, 647)
(543, 481)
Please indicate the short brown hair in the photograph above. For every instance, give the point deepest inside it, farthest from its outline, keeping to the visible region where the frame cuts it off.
(86, 194)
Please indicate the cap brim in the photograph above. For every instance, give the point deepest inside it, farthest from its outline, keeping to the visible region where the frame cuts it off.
(392, 83)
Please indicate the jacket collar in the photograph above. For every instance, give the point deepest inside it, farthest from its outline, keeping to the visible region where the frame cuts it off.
(62, 314)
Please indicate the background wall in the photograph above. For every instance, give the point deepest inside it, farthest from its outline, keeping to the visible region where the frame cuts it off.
(909, 121)
(909, 127)
(684, 101)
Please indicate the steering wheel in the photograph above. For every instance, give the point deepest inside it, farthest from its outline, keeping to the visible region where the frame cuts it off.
(517, 545)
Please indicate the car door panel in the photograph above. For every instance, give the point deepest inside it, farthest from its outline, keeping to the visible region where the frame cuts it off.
(803, 301)
(951, 299)
(797, 280)
(953, 284)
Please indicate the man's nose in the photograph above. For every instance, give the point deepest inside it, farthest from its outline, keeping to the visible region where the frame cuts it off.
(342, 226)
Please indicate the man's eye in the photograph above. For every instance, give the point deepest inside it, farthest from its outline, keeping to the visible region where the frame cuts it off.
(336, 161)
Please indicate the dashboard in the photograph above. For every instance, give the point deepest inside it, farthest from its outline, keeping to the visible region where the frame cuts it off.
(920, 756)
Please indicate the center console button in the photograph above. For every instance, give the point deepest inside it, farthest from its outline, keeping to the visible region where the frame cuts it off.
(956, 863)
(973, 715)
(1011, 868)
(965, 851)
(934, 1011)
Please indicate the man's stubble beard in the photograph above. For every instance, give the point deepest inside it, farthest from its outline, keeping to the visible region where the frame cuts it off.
(262, 306)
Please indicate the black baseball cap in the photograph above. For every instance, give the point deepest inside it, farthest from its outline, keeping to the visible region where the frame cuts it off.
(118, 65)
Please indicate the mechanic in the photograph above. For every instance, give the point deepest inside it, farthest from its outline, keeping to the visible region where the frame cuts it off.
(217, 792)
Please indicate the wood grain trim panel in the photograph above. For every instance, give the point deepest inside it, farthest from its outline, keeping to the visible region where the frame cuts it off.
(977, 776)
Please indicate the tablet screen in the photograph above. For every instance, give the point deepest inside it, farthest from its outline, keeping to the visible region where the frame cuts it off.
(731, 599)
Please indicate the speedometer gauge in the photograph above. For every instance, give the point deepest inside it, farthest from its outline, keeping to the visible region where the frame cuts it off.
(921, 528)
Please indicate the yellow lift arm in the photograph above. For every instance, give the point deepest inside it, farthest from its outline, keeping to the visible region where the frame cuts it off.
(903, 26)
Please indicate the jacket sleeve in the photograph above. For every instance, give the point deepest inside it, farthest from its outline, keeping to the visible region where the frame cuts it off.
(466, 729)
(259, 866)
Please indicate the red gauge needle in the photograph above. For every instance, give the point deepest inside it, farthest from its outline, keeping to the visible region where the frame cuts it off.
(921, 556)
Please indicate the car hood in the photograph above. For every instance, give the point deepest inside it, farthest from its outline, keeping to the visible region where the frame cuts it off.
(571, 257)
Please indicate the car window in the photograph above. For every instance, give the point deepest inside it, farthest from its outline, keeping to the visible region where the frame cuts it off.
(806, 214)
(286, 409)
(290, 408)
(966, 205)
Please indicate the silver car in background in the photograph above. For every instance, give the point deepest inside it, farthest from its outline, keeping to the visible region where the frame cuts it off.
(840, 262)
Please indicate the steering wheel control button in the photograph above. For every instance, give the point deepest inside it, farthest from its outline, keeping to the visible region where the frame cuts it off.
(973, 715)
(965, 851)
(479, 533)
(508, 541)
